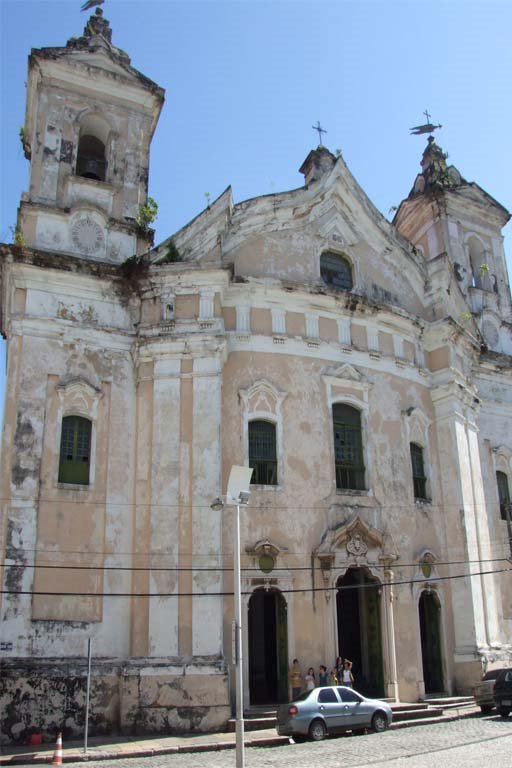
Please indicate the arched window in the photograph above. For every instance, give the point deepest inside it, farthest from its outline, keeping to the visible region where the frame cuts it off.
(504, 495)
(418, 472)
(336, 271)
(348, 447)
(91, 162)
(75, 450)
(262, 452)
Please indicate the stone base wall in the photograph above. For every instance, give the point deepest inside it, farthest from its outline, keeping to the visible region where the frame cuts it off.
(136, 697)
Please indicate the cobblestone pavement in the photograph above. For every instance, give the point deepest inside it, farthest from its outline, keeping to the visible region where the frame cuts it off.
(469, 743)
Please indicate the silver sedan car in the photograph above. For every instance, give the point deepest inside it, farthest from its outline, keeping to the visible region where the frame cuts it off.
(331, 709)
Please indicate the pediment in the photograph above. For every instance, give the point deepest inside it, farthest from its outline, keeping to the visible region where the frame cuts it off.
(346, 372)
(477, 194)
(335, 231)
(78, 396)
(78, 384)
(102, 59)
(354, 539)
(265, 547)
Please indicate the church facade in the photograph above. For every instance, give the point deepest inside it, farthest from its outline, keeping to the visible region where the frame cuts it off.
(361, 367)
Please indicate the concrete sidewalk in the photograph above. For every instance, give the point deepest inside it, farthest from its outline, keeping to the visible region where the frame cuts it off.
(113, 747)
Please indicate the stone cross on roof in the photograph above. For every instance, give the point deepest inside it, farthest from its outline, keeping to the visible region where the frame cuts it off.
(320, 130)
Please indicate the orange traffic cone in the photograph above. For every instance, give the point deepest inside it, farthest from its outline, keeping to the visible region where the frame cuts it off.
(57, 755)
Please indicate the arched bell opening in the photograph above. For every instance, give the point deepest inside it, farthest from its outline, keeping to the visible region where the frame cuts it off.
(358, 604)
(93, 140)
(268, 647)
(91, 163)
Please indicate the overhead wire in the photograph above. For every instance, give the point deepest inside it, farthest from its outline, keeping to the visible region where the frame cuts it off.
(228, 569)
(293, 590)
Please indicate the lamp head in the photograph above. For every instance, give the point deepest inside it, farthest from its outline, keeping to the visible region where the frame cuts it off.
(217, 504)
(244, 497)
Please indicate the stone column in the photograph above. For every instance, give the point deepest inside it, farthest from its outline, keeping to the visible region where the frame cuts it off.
(139, 635)
(466, 522)
(392, 691)
(206, 532)
(483, 538)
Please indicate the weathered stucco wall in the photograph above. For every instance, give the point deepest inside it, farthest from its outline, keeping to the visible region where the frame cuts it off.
(50, 696)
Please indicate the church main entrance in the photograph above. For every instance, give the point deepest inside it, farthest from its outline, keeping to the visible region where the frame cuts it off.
(268, 647)
(431, 646)
(359, 629)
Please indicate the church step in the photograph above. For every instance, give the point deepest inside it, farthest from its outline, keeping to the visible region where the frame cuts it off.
(399, 714)
(254, 721)
(451, 702)
(399, 706)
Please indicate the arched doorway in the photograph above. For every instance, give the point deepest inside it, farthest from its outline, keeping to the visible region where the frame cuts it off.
(431, 646)
(359, 629)
(268, 647)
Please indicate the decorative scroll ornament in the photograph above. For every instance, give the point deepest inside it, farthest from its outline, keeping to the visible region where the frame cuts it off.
(356, 545)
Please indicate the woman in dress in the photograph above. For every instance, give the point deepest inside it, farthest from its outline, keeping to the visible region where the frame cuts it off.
(310, 679)
(347, 678)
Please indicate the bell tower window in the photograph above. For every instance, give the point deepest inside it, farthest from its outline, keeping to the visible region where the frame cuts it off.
(91, 163)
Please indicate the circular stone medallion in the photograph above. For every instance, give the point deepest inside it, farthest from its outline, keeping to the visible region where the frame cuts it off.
(87, 235)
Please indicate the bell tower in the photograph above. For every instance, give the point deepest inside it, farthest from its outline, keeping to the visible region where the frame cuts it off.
(457, 226)
(90, 117)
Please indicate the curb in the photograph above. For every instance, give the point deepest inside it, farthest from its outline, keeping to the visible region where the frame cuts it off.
(265, 741)
(80, 757)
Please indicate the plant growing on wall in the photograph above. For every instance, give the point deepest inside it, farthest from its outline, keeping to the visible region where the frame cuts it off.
(18, 238)
(147, 214)
(172, 254)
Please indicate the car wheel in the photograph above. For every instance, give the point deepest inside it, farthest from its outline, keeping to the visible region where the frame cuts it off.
(317, 730)
(486, 708)
(504, 711)
(379, 722)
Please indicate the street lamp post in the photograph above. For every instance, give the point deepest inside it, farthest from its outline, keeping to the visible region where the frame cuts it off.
(237, 496)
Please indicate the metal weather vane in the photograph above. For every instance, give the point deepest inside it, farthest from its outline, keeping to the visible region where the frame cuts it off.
(427, 127)
(91, 4)
(320, 130)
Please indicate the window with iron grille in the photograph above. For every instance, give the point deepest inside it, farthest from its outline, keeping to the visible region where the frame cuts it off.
(75, 450)
(418, 472)
(348, 447)
(336, 271)
(262, 452)
(504, 494)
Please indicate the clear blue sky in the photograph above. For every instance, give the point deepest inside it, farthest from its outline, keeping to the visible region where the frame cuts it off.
(246, 80)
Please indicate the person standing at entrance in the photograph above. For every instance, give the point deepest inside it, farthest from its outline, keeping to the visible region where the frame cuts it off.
(295, 679)
(322, 675)
(310, 679)
(347, 678)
